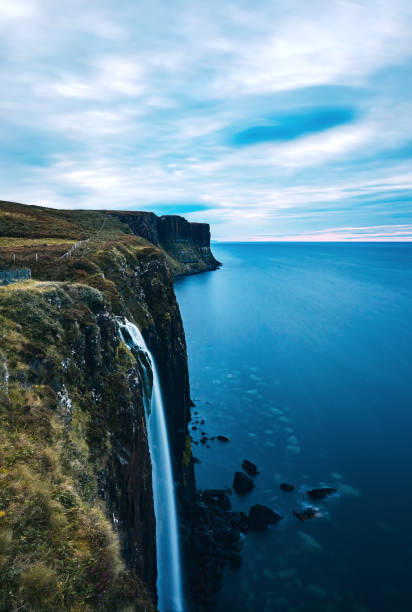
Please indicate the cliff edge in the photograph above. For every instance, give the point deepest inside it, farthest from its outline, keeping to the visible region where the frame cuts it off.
(187, 244)
(77, 525)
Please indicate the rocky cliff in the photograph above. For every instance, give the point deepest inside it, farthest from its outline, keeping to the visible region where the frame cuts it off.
(77, 528)
(186, 243)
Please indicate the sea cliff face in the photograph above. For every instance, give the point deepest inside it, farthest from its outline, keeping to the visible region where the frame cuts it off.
(72, 429)
(187, 243)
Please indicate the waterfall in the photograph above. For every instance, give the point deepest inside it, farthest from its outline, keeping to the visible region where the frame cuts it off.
(169, 580)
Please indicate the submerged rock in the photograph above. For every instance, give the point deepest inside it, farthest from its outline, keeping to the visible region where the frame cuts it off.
(287, 487)
(250, 467)
(261, 516)
(242, 483)
(321, 493)
(217, 542)
(306, 514)
(223, 438)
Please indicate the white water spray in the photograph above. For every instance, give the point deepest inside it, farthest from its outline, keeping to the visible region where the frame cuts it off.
(169, 578)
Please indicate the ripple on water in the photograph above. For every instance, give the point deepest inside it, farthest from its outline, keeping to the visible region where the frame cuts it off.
(309, 542)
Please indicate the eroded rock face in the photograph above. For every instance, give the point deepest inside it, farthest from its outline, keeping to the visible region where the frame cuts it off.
(69, 353)
(217, 541)
(142, 224)
(187, 243)
(74, 352)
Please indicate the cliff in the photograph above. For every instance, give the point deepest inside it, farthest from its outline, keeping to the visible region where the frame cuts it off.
(77, 528)
(187, 244)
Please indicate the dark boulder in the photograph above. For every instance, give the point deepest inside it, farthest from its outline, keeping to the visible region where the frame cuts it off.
(223, 438)
(242, 483)
(217, 542)
(287, 487)
(306, 514)
(321, 493)
(262, 516)
(249, 467)
(240, 521)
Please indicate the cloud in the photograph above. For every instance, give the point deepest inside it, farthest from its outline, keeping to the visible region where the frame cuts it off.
(154, 105)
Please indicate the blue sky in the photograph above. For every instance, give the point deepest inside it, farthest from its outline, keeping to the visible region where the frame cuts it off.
(270, 120)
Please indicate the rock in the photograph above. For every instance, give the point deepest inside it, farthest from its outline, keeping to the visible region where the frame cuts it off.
(218, 497)
(321, 493)
(223, 438)
(240, 521)
(235, 560)
(262, 516)
(287, 487)
(191, 403)
(242, 483)
(249, 467)
(306, 514)
(217, 541)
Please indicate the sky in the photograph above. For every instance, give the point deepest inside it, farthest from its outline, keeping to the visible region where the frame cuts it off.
(271, 120)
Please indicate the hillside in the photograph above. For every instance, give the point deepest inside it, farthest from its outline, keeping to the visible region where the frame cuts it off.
(77, 527)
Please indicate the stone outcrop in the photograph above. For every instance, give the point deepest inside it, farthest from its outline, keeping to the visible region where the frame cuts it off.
(188, 244)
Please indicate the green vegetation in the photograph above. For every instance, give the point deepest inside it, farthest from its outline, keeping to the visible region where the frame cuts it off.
(37, 237)
(62, 394)
(58, 550)
(22, 221)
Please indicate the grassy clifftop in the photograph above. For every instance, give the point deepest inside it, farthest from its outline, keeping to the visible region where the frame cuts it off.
(20, 220)
(77, 528)
(76, 515)
(32, 234)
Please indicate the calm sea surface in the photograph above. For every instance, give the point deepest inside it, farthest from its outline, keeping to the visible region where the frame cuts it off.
(301, 354)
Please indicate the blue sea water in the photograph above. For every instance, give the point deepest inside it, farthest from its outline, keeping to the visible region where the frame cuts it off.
(301, 354)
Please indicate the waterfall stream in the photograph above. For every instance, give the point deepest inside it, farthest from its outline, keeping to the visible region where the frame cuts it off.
(169, 579)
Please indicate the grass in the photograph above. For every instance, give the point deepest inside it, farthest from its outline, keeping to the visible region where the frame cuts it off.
(58, 549)
(36, 222)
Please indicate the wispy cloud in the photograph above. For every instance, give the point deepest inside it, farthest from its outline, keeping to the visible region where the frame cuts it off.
(284, 121)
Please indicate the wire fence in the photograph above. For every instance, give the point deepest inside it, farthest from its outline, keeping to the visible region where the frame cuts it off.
(75, 246)
(5, 277)
(13, 276)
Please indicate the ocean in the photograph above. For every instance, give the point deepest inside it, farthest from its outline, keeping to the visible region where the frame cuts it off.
(301, 355)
